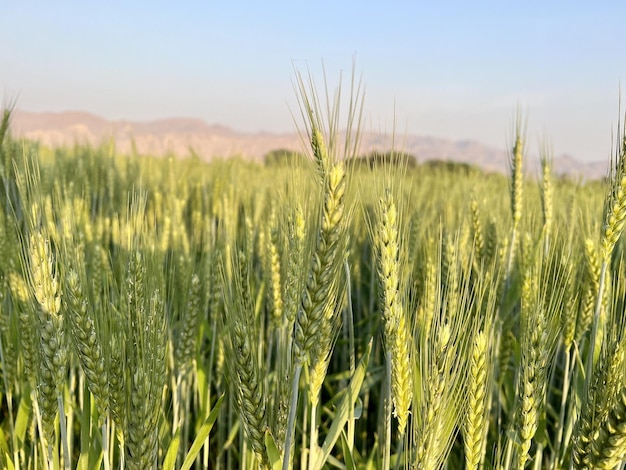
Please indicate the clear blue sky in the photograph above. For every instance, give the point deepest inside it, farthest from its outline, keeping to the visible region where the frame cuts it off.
(452, 69)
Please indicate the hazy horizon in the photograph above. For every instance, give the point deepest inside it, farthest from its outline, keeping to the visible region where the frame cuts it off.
(425, 70)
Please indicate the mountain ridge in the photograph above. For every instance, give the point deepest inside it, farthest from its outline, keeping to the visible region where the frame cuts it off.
(182, 136)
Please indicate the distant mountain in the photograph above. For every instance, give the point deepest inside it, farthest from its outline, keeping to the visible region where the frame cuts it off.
(178, 136)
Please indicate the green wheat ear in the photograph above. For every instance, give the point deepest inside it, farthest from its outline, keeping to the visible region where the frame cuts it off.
(396, 333)
(242, 348)
(313, 327)
(597, 430)
(517, 187)
(87, 344)
(615, 215)
(53, 354)
(476, 419)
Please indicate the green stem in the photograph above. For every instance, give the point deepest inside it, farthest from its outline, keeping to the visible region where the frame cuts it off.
(209, 379)
(594, 329)
(67, 458)
(37, 413)
(9, 398)
(50, 454)
(291, 422)
(313, 438)
(538, 457)
(349, 322)
(509, 263)
(564, 396)
(105, 444)
(122, 453)
(399, 451)
(176, 383)
(387, 407)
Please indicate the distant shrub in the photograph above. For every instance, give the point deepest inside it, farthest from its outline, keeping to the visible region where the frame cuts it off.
(280, 157)
(452, 167)
(390, 158)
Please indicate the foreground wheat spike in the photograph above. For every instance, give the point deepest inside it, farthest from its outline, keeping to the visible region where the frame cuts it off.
(568, 314)
(320, 152)
(314, 326)
(147, 357)
(475, 419)
(316, 320)
(428, 303)
(116, 363)
(450, 274)
(516, 192)
(8, 345)
(547, 191)
(534, 360)
(26, 322)
(242, 351)
(477, 229)
(250, 394)
(613, 225)
(323, 331)
(293, 281)
(591, 283)
(186, 350)
(430, 445)
(615, 215)
(395, 329)
(274, 268)
(609, 448)
(87, 345)
(590, 436)
(52, 363)
(517, 186)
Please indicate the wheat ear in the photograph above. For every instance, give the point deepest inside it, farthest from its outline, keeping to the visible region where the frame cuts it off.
(532, 379)
(87, 344)
(613, 225)
(475, 418)
(147, 354)
(430, 447)
(395, 328)
(610, 446)
(588, 439)
(313, 328)
(242, 346)
(547, 204)
(52, 363)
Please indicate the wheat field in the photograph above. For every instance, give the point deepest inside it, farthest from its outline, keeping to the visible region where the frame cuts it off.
(164, 313)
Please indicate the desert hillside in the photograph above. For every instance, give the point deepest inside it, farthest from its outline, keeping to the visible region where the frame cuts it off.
(179, 136)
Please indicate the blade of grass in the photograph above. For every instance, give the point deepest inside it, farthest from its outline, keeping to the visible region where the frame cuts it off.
(276, 462)
(172, 451)
(343, 410)
(8, 462)
(347, 453)
(85, 432)
(203, 433)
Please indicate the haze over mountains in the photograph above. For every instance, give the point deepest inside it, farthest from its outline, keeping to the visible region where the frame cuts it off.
(179, 135)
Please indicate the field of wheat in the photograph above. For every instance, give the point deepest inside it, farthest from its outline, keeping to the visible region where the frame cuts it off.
(164, 313)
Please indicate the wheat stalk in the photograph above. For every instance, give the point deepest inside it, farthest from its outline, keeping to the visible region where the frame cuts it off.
(87, 344)
(589, 437)
(313, 326)
(52, 363)
(610, 446)
(244, 375)
(547, 193)
(395, 329)
(475, 417)
(147, 354)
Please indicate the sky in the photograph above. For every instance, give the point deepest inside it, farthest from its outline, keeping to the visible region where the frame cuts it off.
(451, 69)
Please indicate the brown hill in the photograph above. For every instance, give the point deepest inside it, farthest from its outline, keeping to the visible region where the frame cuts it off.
(179, 135)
